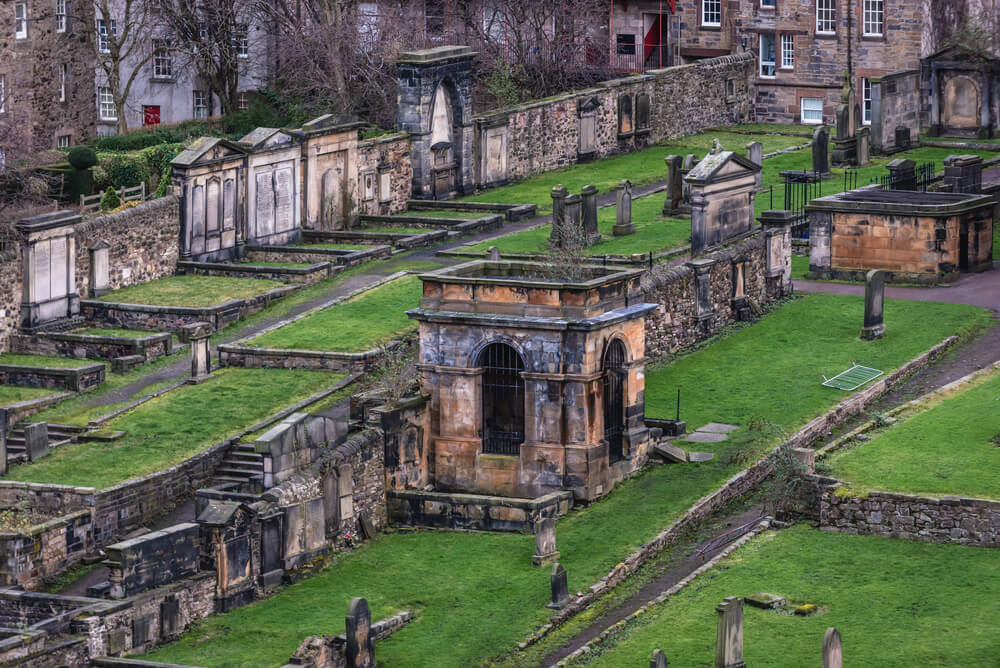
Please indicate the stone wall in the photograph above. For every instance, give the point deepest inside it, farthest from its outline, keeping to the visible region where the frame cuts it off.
(895, 102)
(545, 135)
(389, 158)
(45, 550)
(359, 467)
(10, 295)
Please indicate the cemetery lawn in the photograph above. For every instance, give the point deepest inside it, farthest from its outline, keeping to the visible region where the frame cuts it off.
(948, 448)
(895, 603)
(45, 361)
(191, 291)
(257, 263)
(175, 426)
(444, 213)
(358, 324)
(772, 369)
(653, 232)
(397, 230)
(800, 267)
(333, 246)
(12, 394)
(110, 331)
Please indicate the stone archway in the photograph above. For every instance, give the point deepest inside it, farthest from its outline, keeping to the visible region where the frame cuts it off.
(961, 103)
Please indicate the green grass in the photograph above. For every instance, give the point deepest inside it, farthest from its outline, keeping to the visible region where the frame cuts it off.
(359, 324)
(111, 331)
(397, 230)
(771, 128)
(800, 267)
(773, 368)
(175, 426)
(445, 213)
(192, 291)
(653, 232)
(895, 603)
(45, 361)
(293, 265)
(12, 394)
(950, 448)
(333, 246)
(971, 140)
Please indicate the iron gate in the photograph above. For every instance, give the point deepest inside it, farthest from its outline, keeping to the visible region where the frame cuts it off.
(503, 400)
(614, 400)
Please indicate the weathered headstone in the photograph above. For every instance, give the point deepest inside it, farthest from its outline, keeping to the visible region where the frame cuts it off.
(845, 143)
(36, 440)
(367, 528)
(675, 186)
(821, 150)
(755, 151)
(558, 194)
(690, 160)
(198, 335)
(832, 653)
(545, 543)
(864, 147)
(902, 134)
(623, 213)
(492, 254)
(560, 587)
(902, 174)
(100, 270)
(729, 634)
(590, 233)
(574, 219)
(874, 300)
(659, 659)
(3, 440)
(360, 643)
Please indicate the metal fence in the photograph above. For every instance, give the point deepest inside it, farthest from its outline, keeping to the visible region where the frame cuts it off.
(799, 191)
(923, 175)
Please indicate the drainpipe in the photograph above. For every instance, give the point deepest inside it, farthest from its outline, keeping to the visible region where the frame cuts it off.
(850, 40)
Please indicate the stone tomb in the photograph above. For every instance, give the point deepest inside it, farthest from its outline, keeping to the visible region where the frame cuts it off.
(273, 190)
(100, 269)
(330, 181)
(722, 198)
(48, 251)
(959, 93)
(536, 383)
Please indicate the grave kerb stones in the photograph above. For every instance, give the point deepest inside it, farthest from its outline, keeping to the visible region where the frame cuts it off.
(591, 235)
(545, 543)
(623, 210)
(832, 652)
(360, 643)
(560, 587)
(729, 634)
(198, 335)
(874, 327)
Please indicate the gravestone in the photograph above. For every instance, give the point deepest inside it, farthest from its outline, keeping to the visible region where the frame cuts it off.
(560, 588)
(625, 125)
(623, 213)
(48, 252)
(590, 233)
(3, 440)
(360, 643)
(659, 659)
(690, 160)
(902, 138)
(492, 254)
(574, 220)
(729, 634)
(367, 528)
(874, 300)
(198, 335)
(100, 270)
(903, 174)
(675, 186)
(845, 143)
(587, 111)
(832, 653)
(864, 147)
(558, 194)
(36, 440)
(171, 622)
(755, 151)
(545, 543)
(821, 151)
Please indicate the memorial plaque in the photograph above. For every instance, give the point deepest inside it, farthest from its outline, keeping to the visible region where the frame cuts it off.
(368, 186)
(588, 133)
(229, 205)
(57, 262)
(197, 213)
(283, 218)
(212, 196)
(265, 204)
(42, 268)
(385, 186)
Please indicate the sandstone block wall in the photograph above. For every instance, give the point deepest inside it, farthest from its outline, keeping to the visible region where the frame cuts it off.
(900, 106)
(45, 550)
(391, 153)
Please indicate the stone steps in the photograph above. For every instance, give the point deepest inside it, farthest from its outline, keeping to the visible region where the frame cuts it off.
(241, 465)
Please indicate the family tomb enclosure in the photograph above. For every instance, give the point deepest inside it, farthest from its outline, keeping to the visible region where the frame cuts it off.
(536, 383)
(961, 93)
(722, 188)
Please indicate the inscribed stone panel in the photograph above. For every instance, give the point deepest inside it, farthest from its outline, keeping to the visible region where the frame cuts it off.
(212, 196)
(265, 204)
(229, 205)
(283, 199)
(42, 268)
(57, 280)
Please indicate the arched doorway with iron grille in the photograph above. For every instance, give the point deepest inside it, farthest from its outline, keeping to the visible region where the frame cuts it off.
(503, 399)
(615, 374)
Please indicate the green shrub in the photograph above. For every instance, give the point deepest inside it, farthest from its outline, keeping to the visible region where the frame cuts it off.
(79, 182)
(163, 188)
(101, 178)
(125, 170)
(157, 158)
(82, 157)
(110, 200)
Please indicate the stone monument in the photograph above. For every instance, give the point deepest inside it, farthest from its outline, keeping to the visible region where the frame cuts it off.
(360, 643)
(560, 587)
(659, 659)
(623, 213)
(832, 654)
(722, 189)
(48, 250)
(545, 543)
(100, 269)
(36, 440)
(864, 147)
(902, 174)
(755, 152)
(845, 143)
(558, 195)
(874, 300)
(198, 335)
(729, 634)
(590, 233)
(673, 205)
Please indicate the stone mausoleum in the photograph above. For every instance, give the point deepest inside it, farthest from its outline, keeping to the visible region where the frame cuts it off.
(536, 384)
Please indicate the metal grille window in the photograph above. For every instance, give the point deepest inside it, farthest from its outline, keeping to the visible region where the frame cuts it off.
(866, 101)
(503, 399)
(201, 104)
(787, 52)
(63, 141)
(873, 17)
(615, 373)
(826, 16)
(767, 56)
(61, 15)
(163, 60)
(711, 12)
(106, 101)
(21, 20)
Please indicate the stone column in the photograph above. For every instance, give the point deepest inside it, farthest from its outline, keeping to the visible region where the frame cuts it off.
(675, 186)
(590, 232)
(777, 226)
(703, 291)
(878, 127)
(558, 194)
(729, 634)
(699, 222)
(197, 334)
(820, 243)
(99, 274)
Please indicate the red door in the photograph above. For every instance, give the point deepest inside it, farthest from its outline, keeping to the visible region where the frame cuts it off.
(150, 114)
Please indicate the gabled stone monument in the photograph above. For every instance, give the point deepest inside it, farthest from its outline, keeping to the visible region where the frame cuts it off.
(722, 198)
(49, 296)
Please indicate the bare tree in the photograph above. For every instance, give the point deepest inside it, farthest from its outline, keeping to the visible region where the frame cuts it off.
(22, 188)
(123, 47)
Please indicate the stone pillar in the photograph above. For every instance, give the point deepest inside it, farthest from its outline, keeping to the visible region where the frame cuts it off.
(699, 220)
(903, 174)
(36, 440)
(590, 232)
(100, 270)
(560, 588)
(729, 634)
(360, 643)
(755, 152)
(820, 243)
(964, 173)
(197, 334)
(623, 210)
(878, 127)
(832, 653)
(874, 301)
(558, 194)
(545, 543)
(777, 225)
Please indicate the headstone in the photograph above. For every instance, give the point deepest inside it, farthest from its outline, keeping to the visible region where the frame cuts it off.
(367, 528)
(545, 543)
(675, 186)
(198, 335)
(755, 151)
(558, 194)
(864, 147)
(821, 150)
(659, 659)
(36, 440)
(903, 174)
(874, 300)
(590, 233)
(492, 254)
(902, 137)
(729, 634)
(360, 643)
(100, 270)
(832, 652)
(574, 219)
(690, 160)
(623, 212)
(964, 173)
(560, 588)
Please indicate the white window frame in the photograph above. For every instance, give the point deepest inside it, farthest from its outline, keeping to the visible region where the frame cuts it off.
(64, 141)
(242, 101)
(713, 8)
(866, 101)
(241, 41)
(201, 104)
(802, 111)
(368, 22)
(826, 14)
(3, 93)
(61, 15)
(106, 104)
(163, 59)
(103, 44)
(768, 65)
(63, 76)
(873, 18)
(787, 51)
(20, 20)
